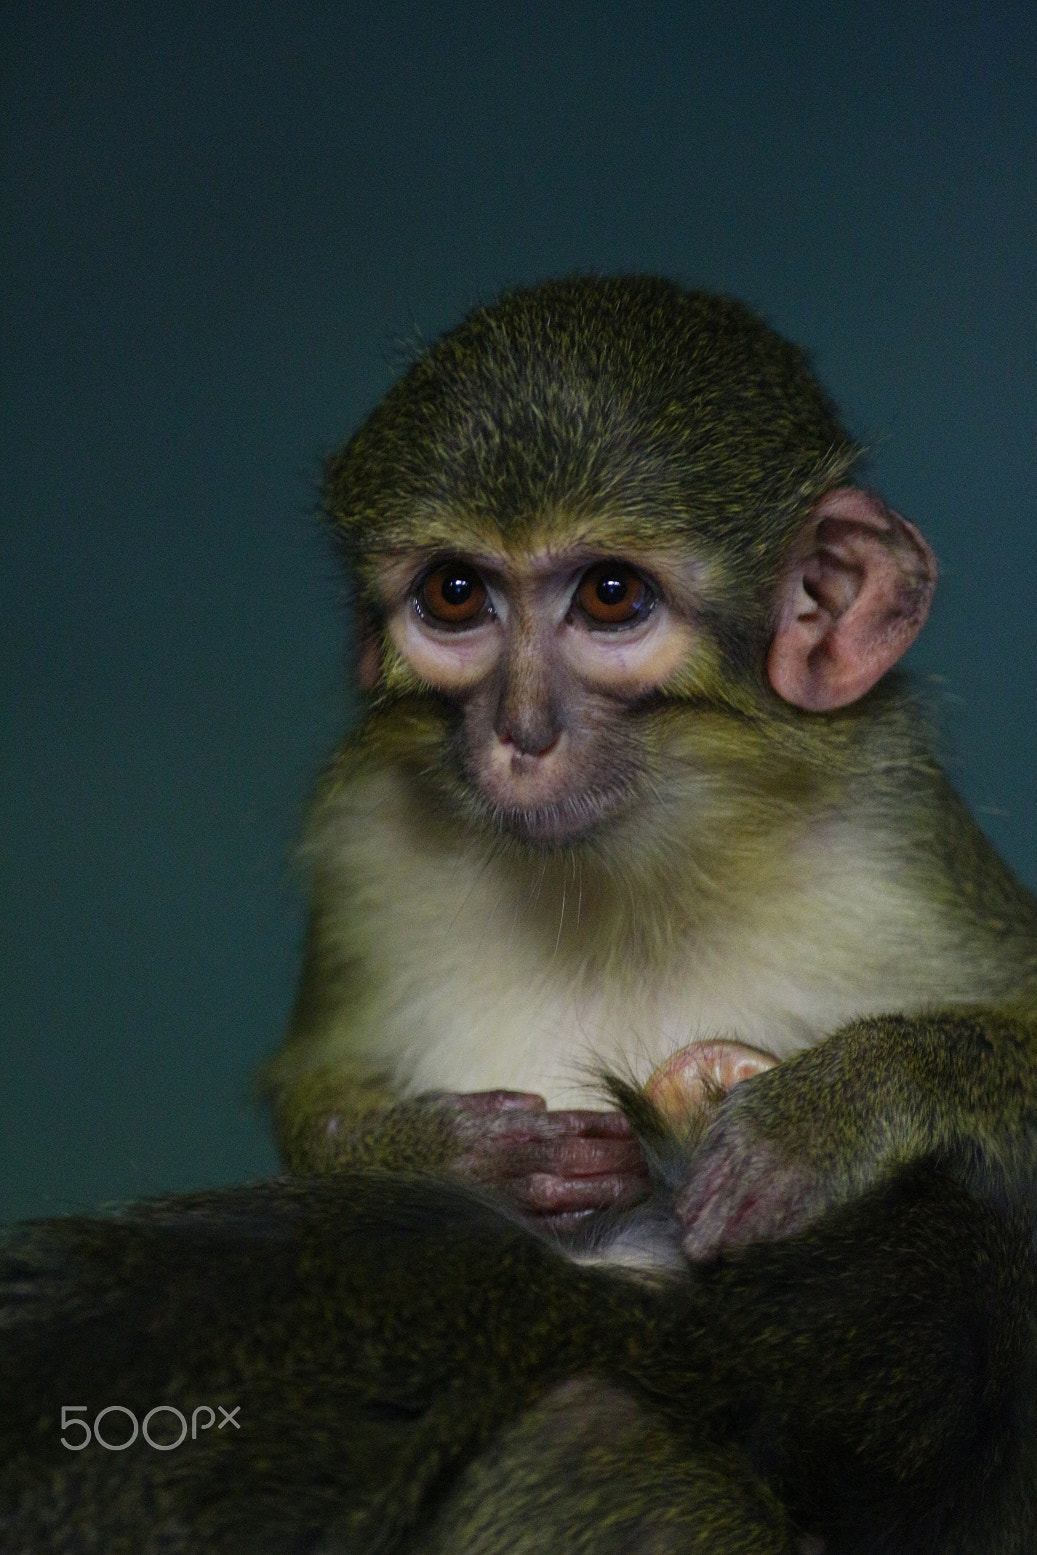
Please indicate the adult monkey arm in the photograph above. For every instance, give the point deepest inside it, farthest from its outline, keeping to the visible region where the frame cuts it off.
(630, 774)
(831, 1121)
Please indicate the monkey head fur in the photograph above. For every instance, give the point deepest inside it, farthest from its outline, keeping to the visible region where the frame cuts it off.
(625, 402)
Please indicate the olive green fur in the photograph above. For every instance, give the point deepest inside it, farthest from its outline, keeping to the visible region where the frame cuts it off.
(762, 785)
(417, 1371)
(808, 883)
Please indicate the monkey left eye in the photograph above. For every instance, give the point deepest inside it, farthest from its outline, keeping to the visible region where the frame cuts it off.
(613, 594)
(452, 595)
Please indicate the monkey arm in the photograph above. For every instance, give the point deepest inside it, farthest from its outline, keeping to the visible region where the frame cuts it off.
(827, 1124)
(554, 1164)
(336, 1094)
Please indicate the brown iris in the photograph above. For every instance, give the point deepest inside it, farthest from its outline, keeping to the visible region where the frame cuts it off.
(613, 594)
(453, 594)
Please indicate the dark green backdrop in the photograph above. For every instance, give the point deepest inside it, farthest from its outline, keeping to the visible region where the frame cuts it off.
(224, 226)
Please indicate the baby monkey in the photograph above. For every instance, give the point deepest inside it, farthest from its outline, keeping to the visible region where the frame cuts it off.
(633, 774)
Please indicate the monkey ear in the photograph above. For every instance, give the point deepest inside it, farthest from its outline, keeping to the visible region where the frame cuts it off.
(855, 598)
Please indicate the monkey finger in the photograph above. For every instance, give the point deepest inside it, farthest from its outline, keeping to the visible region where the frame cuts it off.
(545, 1194)
(578, 1157)
(736, 1196)
(505, 1156)
(492, 1102)
(577, 1124)
(509, 1128)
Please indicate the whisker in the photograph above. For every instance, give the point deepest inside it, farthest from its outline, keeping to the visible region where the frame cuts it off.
(561, 915)
(491, 854)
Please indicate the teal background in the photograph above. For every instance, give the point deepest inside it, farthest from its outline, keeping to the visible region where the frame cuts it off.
(224, 226)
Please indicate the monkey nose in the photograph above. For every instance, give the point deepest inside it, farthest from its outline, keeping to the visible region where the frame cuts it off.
(530, 742)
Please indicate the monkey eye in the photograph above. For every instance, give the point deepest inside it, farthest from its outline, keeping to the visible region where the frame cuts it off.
(452, 595)
(613, 594)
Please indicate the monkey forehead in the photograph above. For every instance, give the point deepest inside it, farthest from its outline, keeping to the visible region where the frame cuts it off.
(679, 412)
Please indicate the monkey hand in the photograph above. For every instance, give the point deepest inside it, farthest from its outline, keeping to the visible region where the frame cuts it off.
(554, 1165)
(558, 1166)
(830, 1122)
(744, 1187)
(814, 1130)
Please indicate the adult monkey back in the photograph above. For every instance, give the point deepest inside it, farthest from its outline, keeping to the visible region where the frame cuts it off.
(361, 1363)
(633, 775)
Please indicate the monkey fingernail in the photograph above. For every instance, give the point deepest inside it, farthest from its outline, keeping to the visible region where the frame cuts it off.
(500, 1101)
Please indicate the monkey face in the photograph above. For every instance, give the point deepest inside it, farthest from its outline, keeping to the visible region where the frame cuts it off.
(545, 656)
(602, 499)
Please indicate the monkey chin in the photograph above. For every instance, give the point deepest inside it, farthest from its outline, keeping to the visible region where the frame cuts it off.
(558, 825)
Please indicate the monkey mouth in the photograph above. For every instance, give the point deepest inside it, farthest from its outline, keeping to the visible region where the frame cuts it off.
(534, 808)
(559, 823)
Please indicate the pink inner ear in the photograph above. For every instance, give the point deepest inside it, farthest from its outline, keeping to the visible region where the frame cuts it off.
(853, 602)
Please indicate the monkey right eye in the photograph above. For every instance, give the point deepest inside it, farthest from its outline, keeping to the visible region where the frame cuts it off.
(453, 595)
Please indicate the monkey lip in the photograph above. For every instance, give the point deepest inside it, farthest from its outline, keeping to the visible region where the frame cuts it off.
(547, 800)
(558, 823)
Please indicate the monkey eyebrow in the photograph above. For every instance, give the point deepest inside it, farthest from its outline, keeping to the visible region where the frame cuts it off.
(401, 576)
(574, 560)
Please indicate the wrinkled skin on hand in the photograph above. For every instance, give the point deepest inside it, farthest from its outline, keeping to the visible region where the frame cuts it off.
(768, 1163)
(741, 1187)
(549, 1164)
(560, 1165)
(565, 1164)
